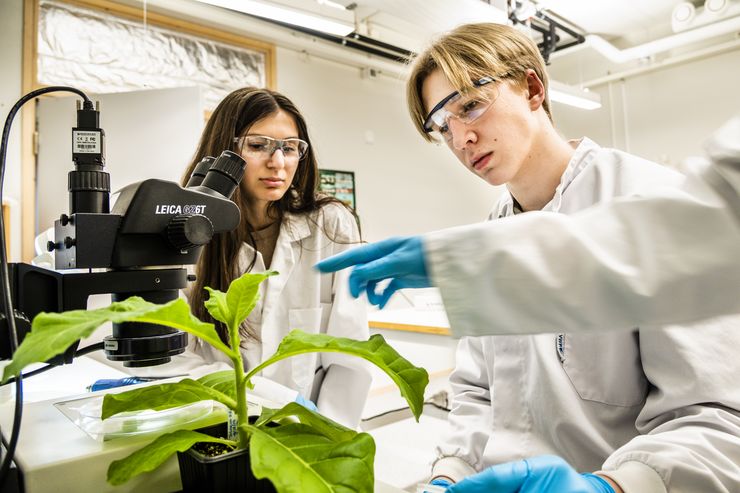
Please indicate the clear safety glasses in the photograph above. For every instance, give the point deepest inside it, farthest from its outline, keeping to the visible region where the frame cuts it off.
(465, 108)
(262, 147)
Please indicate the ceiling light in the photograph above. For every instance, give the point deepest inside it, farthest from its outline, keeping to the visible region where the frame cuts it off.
(285, 15)
(329, 3)
(716, 6)
(683, 12)
(683, 16)
(574, 96)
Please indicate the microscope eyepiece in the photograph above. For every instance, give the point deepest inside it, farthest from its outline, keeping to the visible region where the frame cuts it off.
(225, 173)
(200, 171)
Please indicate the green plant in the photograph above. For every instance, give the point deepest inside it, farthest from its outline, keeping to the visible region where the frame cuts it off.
(313, 452)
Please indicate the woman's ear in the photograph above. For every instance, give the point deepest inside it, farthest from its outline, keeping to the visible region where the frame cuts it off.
(535, 90)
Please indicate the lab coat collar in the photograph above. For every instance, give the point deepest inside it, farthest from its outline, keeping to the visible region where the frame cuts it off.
(582, 157)
(296, 226)
(293, 228)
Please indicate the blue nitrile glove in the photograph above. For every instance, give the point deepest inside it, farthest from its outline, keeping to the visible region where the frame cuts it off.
(308, 404)
(542, 474)
(440, 482)
(400, 259)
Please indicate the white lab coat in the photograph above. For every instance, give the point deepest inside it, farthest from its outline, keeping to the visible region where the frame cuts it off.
(301, 298)
(669, 256)
(652, 408)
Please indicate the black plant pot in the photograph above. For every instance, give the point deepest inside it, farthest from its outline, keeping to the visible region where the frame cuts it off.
(225, 473)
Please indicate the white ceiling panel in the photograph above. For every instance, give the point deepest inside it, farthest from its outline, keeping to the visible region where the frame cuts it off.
(411, 23)
(625, 30)
(633, 21)
(416, 21)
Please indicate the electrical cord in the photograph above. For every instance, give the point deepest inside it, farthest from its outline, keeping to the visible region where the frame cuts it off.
(5, 276)
(31, 373)
(89, 349)
(439, 400)
(79, 352)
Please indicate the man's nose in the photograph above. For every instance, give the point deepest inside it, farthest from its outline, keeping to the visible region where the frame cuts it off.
(461, 134)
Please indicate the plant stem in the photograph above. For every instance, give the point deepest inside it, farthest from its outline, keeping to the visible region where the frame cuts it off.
(242, 417)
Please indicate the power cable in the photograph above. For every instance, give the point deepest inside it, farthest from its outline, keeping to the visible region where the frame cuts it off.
(79, 352)
(5, 276)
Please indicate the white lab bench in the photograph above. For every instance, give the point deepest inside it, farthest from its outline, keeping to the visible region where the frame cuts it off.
(405, 449)
(56, 456)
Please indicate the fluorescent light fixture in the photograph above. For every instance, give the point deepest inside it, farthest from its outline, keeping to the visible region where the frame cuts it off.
(285, 14)
(573, 96)
(329, 3)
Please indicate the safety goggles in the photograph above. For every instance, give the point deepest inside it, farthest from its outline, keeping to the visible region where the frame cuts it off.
(263, 147)
(465, 108)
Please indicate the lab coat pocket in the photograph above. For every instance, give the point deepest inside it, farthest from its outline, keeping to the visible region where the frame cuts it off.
(604, 368)
(304, 365)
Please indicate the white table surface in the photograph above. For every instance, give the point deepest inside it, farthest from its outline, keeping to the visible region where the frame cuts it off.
(57, 457)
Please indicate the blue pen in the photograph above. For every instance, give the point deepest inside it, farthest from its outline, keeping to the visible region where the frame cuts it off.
(108, 383)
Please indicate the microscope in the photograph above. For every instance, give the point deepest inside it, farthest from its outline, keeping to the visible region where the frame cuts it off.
(139, 248)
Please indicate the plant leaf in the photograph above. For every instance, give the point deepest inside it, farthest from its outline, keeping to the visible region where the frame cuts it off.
(318, 422)
(410, 379)
(153, 455)
(163, 396)
(298, 458)
(216, 305)
(176, 314)
(52, 333)
(243, 294)
(221, 381)
(233, 307)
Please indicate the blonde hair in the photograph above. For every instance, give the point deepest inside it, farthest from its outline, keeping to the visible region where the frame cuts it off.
(469, 53)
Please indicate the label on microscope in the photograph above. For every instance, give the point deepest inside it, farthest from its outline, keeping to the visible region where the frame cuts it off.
(85, 142)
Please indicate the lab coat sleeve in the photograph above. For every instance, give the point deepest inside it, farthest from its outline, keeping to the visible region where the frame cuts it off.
(345, 386)
(647, 261)
(470, 418)
(690, 423)
(640, 261)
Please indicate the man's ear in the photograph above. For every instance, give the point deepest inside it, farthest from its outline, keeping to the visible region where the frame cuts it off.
(535, 90)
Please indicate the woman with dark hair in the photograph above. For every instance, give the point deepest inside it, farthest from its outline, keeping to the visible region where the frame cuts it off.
(286, 226)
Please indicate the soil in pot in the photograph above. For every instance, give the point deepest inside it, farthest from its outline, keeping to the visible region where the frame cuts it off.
(205, 467)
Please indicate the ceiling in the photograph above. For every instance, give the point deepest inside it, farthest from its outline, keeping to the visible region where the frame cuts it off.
(415, 21)
(617, 20)
(614, 26)
(620, 35)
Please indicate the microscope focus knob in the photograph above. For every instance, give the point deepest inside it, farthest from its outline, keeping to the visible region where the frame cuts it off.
(186, 231)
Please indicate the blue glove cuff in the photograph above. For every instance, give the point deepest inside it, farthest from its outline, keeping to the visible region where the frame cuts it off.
(306, 403)
(598, 483)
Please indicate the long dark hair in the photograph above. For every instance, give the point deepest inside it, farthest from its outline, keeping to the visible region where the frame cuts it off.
(218, 264)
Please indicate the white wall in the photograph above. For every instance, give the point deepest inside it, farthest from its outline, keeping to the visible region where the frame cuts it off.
(404, 185)
(11, 51)
(664, 115)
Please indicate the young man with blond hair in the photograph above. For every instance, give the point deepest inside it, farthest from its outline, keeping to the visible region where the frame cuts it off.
(648, 410)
